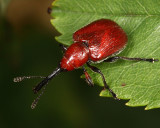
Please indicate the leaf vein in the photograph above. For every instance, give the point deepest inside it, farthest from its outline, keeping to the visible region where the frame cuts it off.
(142, 7)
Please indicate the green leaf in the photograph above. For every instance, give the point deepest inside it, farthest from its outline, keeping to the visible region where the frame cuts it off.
(140, 19)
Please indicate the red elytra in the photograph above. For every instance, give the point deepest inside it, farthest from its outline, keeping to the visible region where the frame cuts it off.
(95, 42)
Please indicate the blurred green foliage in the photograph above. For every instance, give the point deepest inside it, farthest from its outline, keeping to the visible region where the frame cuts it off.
(68, 101)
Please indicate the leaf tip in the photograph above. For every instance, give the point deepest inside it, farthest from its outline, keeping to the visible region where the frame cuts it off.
(54, 2)
(127, 104)
(146, 108)
(51, 21)
(102, 93)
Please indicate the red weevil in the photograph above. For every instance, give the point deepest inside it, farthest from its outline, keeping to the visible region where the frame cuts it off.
(95, 42)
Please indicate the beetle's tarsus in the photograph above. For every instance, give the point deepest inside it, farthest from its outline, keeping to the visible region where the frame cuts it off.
(154, 60)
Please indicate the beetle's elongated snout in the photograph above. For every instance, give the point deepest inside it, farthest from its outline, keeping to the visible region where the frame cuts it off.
(48, 78)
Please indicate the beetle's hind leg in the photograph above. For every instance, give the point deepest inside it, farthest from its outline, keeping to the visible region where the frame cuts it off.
(115, 58)
(95, 69)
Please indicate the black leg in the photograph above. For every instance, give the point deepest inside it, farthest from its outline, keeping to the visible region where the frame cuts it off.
(95, 69)
(64, 48)
(88, 78)
(115, 58)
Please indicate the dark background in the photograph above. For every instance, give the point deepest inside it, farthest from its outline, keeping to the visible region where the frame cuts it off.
(27, 47)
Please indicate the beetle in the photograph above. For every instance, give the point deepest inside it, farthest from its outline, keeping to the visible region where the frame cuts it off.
(99, 41)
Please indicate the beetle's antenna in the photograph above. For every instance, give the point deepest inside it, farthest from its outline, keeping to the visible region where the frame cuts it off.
(21, 78)
(43, 83)
(34, 103)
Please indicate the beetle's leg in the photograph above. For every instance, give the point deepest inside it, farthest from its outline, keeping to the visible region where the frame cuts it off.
(49, 10)
(115, 58)
(63, 47)
(88, 78)
(95, 69)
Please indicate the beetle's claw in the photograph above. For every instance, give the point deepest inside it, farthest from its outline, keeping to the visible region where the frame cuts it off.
(154, 60)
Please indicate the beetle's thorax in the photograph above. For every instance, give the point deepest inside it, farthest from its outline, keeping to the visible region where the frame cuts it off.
(75, 56)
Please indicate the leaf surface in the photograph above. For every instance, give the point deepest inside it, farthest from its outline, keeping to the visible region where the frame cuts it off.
(137, 81)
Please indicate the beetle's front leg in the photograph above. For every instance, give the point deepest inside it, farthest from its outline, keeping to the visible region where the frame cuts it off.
(88, 78)
(63, 47)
